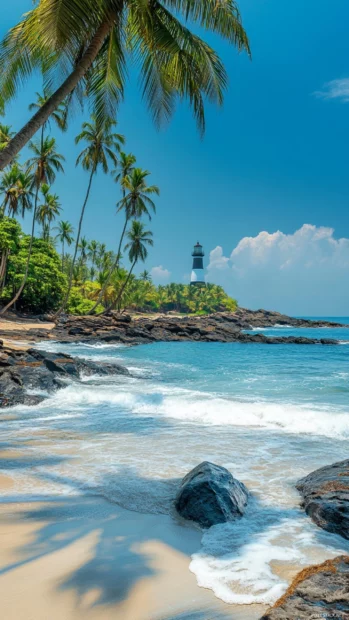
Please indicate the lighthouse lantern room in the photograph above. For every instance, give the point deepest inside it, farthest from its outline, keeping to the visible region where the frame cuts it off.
(197, 274)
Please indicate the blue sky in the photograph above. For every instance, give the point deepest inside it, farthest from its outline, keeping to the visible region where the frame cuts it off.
(273, 159)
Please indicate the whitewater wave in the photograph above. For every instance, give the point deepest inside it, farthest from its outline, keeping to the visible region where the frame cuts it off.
(239, 561)
(195, 407)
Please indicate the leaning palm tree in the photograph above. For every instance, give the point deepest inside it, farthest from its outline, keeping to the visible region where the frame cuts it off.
(103, 146)
(89, 43)
(64, 235)
(138, 240)
(48, 210)
(44, 164)
(17, 187)
(136, 202)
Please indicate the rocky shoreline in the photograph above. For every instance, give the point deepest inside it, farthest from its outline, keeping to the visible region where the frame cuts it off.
(219, 327)
(28, 377)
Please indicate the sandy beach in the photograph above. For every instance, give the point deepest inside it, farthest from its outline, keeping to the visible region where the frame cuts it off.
(84, 558)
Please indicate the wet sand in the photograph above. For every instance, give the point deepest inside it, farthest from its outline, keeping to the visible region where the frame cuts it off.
(82, 558)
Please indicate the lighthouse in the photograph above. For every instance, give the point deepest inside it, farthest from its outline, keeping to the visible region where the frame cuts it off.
(197, 274)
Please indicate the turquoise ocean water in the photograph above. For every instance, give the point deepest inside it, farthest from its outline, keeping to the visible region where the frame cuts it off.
(270, 414)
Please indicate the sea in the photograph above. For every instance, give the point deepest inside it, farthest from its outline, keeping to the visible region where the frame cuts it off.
(270, 414)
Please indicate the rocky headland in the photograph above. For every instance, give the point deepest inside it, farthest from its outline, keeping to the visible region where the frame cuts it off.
(219, 327)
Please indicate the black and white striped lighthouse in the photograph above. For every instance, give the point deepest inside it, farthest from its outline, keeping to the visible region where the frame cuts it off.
(197, 274)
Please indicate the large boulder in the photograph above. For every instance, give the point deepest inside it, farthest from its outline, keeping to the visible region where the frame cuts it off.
(209, 494)
(317, 592)
(326, 497)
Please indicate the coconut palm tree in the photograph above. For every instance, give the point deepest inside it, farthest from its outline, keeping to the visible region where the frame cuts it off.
(135, 203)
(145, 276)
(64, 235)
(125, 166)
(17, 186)
(93, 251)
(45, 162)
(44, 165)
(83, 247)
(138, 240)
(58, 115)
(48, 210)
(103, 146)
(88, 43)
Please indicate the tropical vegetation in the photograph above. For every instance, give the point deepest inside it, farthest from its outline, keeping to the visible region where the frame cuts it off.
(82, 48)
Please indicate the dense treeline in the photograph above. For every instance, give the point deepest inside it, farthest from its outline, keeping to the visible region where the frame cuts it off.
(62, 271)
(49, 271)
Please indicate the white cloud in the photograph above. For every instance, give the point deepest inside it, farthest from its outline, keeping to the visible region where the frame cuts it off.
(302, 273)
(159, 274)
(336, 89)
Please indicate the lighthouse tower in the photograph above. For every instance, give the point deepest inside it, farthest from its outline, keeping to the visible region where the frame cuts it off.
(197, 274)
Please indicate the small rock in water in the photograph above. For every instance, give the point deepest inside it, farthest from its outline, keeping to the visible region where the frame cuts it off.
(317, 592)
(209, 495)
(326, 497)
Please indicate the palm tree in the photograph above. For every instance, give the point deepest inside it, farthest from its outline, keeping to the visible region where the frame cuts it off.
(65, 235)
(139, 239)
(46, 161)
(83, 247)
(17, 187)
(103, 144)
(125, 166)
(145, 276)
(93, 251)
(91, 41)
(58, 115)
(44, 164)
(48, 210)
(135, 203)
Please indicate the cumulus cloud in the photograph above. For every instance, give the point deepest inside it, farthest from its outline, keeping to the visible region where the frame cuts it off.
(336, 89)
(301, 273)
(160, 275)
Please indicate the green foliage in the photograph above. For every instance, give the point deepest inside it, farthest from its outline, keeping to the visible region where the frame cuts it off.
(10, 232)
(45, 284)
(173, 62)
(79, 304)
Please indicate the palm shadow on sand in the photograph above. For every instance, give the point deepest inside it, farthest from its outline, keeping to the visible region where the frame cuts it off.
(120, 558)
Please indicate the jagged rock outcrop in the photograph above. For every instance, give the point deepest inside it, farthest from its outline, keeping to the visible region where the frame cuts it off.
(325, 495)
(317, 592)
(21, 371)
(220, 327)
(209, 495)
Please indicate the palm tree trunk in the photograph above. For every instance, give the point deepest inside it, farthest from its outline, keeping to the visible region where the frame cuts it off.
(77, 242)
(122, 289)
(43, 114)
(17, 295)
(112, 269)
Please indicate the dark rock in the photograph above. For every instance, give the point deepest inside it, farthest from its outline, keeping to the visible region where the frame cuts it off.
(209, 494)
(317, 592)
(326, 497)
(21, 371)
(219, 327)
